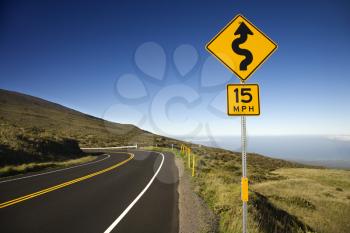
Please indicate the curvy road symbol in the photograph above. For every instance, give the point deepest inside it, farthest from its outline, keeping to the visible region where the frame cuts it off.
(243, 31)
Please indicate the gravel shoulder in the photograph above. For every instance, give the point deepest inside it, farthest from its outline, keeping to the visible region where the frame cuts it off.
(194, 215)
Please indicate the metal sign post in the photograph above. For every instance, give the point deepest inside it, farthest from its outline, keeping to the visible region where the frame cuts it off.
(242, 99)
(244, 182)
(244, 170)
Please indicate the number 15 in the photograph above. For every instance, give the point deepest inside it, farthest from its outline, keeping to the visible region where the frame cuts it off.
(244, 92)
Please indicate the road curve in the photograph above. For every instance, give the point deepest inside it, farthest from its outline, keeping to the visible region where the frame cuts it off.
(131, 191)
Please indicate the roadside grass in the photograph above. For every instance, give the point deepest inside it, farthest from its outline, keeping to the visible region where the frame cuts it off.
(218, 183)
(318, 197)
(284, 196)
(33, 167)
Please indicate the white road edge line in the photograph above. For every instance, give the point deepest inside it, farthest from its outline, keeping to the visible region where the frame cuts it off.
(115, 223)
(58, 170)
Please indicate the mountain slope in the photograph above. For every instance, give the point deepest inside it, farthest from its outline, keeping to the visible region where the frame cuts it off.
(33, 129)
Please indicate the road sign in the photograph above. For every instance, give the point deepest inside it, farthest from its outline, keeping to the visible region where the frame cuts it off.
(243, 100)
(242, 47)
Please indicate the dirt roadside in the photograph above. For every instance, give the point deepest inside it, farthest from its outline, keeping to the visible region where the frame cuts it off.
(194, 215)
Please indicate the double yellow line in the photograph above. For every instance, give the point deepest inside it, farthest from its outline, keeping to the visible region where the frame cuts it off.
(41, 192)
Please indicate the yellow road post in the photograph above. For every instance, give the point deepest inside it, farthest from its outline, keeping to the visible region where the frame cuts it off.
(193, 164)
(189, 157)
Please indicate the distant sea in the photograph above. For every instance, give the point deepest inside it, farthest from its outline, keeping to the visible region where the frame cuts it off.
(329, 151)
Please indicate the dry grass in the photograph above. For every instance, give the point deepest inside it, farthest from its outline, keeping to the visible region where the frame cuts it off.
(319, 197)
(31, 167)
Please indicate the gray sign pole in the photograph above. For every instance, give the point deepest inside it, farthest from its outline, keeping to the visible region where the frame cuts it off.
(244, 166)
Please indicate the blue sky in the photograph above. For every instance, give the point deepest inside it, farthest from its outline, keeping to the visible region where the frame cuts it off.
(76, 52)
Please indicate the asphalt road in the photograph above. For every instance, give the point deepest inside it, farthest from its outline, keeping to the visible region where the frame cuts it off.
(121, 192)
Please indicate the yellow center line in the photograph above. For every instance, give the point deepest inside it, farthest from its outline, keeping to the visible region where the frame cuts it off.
(41, 192)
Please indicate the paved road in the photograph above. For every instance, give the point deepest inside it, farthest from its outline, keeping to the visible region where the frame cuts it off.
(119, 193)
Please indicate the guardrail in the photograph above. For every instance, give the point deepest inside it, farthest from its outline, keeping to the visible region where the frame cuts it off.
(113, 147)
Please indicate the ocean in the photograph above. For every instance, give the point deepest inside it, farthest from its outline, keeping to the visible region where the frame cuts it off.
(330, 151)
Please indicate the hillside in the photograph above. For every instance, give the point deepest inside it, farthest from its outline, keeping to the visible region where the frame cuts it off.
(33, 129)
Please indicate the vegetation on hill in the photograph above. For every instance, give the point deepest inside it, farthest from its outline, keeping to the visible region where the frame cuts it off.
(36, 130)
(318, 197)
(10, 170)
(22, 145)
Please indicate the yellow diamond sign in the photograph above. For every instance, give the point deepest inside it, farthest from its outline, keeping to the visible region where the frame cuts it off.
(241, 47)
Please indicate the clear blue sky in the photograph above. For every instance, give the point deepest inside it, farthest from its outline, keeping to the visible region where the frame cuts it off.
(74, 53)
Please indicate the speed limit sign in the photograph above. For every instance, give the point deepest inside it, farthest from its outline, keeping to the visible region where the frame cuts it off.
(243, 100)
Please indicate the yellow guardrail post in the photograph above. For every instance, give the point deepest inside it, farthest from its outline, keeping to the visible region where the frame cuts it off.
(189, 158)
(193, 164)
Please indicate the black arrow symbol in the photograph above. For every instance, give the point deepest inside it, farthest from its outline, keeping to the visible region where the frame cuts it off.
(243, 31)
